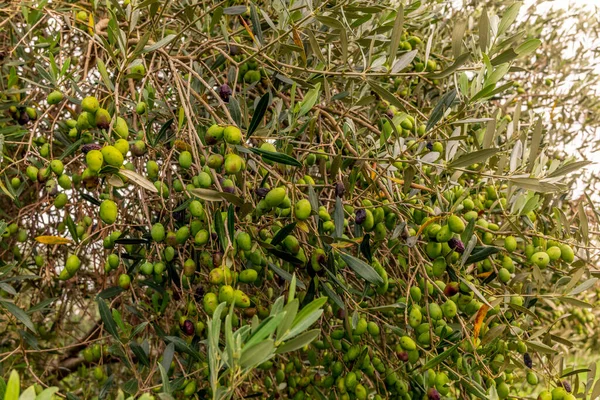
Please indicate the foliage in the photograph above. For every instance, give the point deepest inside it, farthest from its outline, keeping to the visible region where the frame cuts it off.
(332, 199)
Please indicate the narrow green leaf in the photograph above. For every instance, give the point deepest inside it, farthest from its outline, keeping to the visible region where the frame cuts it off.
(584, 286)
(510, 15)
(299, 341)
(107, 318)
(230, 222)
(471, 158)
(138, 180)
(220, 230)
(235, 10)
(160, 44)
(276, 157)
(330, 22)
(475, 291)
(440, 109)
(363, 269)
(257, 354)
(333, 295)
(265, 329)
(338, 217)
(528, 47)
(534, 147)
(182, 346)
(18, 313)
(286, 275)
(139, 352)
(439, 358)
(310, 99)
(385, 95)
(504, 57)
(484, 30)
(403, 61)
(568, 168)
(166, 385)
(396, 34)
(283, 233)
(460, 60)
(534, 184)
(540, 347)
(256, 24)
(481, 253)
(259, 113)
(235, 110)
(47, 394)
(104, 74)
(168, 356)
(13, 387)
(71, 149)
(291, 310)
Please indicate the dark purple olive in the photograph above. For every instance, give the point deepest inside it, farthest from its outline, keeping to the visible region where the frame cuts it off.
(261, 192)
(360, 216)
(403, 356)
(217, 258)
(86, 148)
(340, 189)
(566, 385)
(456, 245)
(234, 50)
(389, 113)
(199, 293)
(188, 327)
(451, 289)
(225, 92)
(527, 360)
(433, 394)
(23, 118)
(429, 146)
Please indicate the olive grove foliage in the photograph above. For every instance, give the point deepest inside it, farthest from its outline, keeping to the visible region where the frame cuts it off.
(304, 199)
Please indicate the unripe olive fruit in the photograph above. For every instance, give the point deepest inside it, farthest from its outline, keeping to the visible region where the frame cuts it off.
(214, 134)
(120, 128)
(112, 156)
(90, 104)
(185, 159)
(302, 209)
(233, 163)
(232, 134)
(61, 200)
(73, 264)
(94, 160)
(566, 253)
(275, 197)
(140, 108)
(32, 172)
(124, 281)
(108, 211)
(102, 118)
(54, 97)
(541, 259)
(122, 145)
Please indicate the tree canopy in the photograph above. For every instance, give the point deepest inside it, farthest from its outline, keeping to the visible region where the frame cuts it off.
(336, 199)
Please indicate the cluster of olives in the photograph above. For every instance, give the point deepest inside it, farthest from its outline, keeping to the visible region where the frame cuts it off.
(250, 72)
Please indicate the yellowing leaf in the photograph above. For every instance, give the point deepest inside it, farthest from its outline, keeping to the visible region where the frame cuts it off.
(53, 240)
(181, 145)
(303, 226)
(412, 185)
(5, 190)
(426, 224)
(479, 320)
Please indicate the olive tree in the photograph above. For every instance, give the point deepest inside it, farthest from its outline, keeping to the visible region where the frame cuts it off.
(330, 199)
